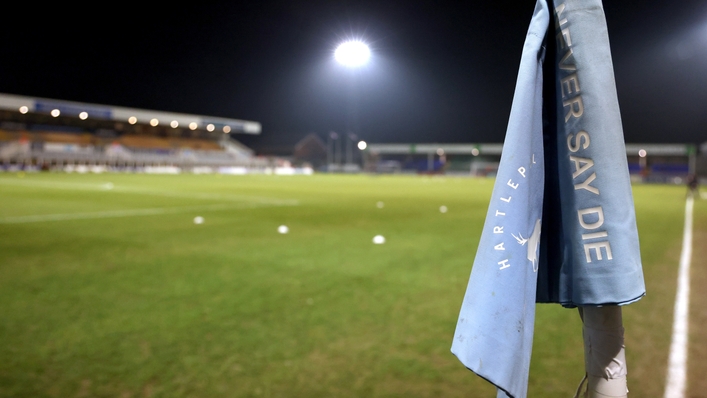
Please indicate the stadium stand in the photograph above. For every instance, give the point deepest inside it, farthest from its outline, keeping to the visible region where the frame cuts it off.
(653, 163)
(38, 133)
(48, 134)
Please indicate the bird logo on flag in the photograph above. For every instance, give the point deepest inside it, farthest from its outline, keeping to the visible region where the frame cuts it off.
(533, 243)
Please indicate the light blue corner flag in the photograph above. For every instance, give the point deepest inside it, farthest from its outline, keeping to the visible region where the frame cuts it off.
(494, 334)
(560, 226)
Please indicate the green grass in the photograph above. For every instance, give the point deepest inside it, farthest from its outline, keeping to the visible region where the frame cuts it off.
(120, 304)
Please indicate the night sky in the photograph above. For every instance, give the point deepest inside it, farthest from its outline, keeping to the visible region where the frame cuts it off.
(442, 71)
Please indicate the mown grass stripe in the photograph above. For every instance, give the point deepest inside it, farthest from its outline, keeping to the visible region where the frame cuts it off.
(146, 191)
(121, 213)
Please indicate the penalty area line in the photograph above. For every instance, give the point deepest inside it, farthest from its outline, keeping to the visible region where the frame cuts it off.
(677, 361)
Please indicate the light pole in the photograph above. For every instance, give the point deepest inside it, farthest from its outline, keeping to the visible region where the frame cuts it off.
(330, 150)
(349, 150)
(352, 54)
(643, 163)
(362, 147)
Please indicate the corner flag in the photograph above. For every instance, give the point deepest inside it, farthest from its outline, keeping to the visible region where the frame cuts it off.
(560, 227)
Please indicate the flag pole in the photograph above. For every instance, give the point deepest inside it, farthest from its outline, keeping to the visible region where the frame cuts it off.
(604, 352)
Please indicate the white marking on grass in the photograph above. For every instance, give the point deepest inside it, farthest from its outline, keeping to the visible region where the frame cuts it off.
(677, 362)
(123, 213)
(105, 187)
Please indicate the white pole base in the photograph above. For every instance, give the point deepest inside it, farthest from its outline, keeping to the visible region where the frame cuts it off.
(599, 387)
(604, 352)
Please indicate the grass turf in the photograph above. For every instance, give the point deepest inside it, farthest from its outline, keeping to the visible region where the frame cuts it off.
(108, 288)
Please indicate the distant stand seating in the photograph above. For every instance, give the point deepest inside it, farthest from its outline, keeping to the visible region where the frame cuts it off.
(7, 136)
(141, 142)
(197, 144)
(84, 139)
(136, 142)
(144, 143)
(58, 148)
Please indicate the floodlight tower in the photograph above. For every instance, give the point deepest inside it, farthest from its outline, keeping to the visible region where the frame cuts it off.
(352, 54)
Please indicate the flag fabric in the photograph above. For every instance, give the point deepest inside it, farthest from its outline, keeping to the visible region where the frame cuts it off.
(494, 334)
(560, 227)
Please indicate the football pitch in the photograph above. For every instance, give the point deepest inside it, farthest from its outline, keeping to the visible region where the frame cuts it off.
(109, 288)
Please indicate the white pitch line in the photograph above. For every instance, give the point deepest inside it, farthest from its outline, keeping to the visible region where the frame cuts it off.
(677, 362)
(122, 213)
(146, 191)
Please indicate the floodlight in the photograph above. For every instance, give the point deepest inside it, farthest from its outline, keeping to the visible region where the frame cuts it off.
(24, 109)
(352, 53)
(362, 145)
(83, 115)
(642, 153)
(174, 124)
(132, 120)
(154, 122)
(55, 112)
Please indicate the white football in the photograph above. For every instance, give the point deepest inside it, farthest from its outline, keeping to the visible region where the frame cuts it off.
(378, 239)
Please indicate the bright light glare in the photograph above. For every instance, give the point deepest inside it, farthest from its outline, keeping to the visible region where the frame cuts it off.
(210, 127)
(192, 126)
(83, 115)
(24, 109)
(352, 53)
(132, 120)
(174, 124)
(226, 129)
(55, 112)
(642, 153)
(362, 145)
